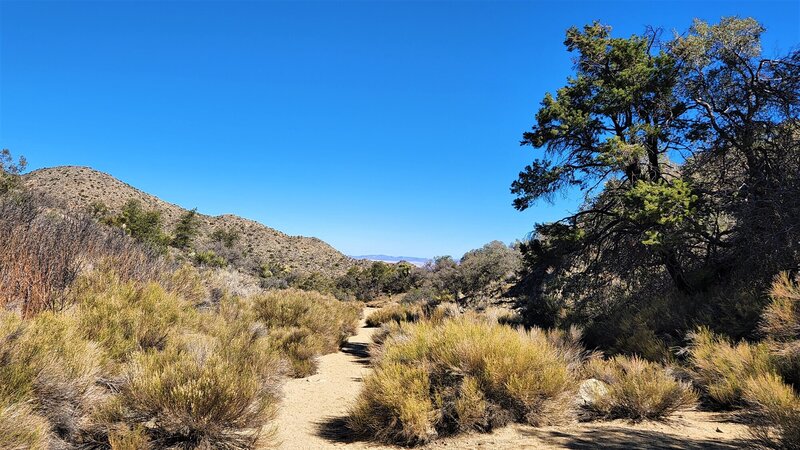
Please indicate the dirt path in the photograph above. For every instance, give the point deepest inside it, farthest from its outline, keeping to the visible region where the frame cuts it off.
(310, 402)
(313, 404)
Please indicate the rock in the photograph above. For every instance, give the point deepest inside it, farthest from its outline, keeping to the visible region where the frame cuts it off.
(591, 391)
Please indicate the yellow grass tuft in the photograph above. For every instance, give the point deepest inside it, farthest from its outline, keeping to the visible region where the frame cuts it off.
(460, 375)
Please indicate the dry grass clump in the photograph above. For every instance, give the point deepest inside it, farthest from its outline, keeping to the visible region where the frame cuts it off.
(721, 368)
(637, 389)
(403, 312)
(781, 325)
(21, 429)
(129, 439)
(305, 324)
(459, 375)
(127, 317)
(212, 382)
(776, 412)
(442, 312)
(202, 394)
(49, 368)
(131, 365)
(503, 316)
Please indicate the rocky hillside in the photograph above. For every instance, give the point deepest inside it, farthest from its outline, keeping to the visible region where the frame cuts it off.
(76, 188)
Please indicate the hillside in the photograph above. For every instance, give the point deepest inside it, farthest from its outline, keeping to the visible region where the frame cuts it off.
(78, 187)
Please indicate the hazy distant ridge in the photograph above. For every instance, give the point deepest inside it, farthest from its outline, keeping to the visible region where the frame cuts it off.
(419, 262)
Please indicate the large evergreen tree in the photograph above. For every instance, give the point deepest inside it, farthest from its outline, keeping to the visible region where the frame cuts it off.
(686, 152)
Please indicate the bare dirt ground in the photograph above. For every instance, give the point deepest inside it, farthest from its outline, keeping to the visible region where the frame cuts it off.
(313, 408)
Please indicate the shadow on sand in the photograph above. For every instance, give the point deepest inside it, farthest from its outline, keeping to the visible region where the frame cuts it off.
(336, 429)
(628, 438)
(358, 350)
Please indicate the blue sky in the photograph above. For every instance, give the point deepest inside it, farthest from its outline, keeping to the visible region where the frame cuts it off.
(380, 127)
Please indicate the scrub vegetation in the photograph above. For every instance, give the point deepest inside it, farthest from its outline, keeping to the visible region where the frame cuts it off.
(130, 323)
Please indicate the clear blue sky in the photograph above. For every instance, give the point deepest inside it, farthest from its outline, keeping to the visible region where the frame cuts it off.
(380, 127)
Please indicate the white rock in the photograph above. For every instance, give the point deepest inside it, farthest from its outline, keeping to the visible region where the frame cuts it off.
(591, 391)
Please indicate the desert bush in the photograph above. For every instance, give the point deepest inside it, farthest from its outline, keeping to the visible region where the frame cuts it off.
(462, 374)
(10, 171)
(127, 438)
(49, 368)
(369, 282)
(503, 316)
(443, 277)
(776, 414)
(126, 317)
(638, 389)
(442, 311)
(489, 265)
(569, 345)
(305, 324)
(781, 325)
(43, 252)
(143, 225)
(300, 347)
(210, 259)
(327, 317)
(186, 229)
(231, 281)
(203, 394)
(721, 368)
(187, 283)
(422, 295)
(225, 237)
(21, 429)
(395, 313)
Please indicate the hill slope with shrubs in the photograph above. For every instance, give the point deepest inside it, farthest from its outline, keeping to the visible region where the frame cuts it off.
(241, 242)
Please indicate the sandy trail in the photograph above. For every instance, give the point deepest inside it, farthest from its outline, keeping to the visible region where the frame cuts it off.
(312, 405)
(308, 403)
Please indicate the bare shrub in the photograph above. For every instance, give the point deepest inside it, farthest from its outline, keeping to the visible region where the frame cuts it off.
(45, 250)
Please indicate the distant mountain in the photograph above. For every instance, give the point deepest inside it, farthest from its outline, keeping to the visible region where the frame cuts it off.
(419, 262)
(78, 187)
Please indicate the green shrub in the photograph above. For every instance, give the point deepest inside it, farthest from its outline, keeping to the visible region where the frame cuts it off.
(185, 229)
(10, 171)
(226, 237)
(777, 412)
(144, 226)
(395, 313)
(721, 369)
(210, 259)
(638, 389)
(459, 375)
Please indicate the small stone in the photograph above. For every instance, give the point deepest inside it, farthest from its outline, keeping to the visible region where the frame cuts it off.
(592, 390)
